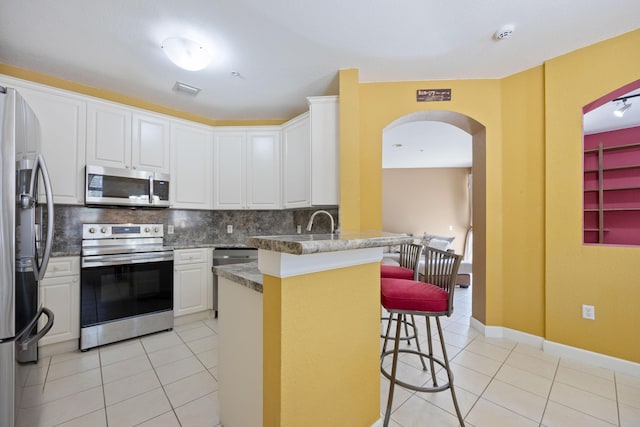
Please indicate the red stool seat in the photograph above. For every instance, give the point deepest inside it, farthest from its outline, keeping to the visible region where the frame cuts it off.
(396, 272)
(409, 295)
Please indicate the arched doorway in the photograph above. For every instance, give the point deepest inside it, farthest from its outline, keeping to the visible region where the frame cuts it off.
(478, 189)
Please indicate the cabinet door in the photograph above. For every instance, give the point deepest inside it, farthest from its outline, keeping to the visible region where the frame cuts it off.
(108, 135)
(62, 296)
(150, 143)
(296, 163)
(190, 289)
(325, 164)
(229, 171)
(191, 177)
(63, 138)
(263, 170)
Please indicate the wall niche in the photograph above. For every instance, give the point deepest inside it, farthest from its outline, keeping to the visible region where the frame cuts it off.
(611, 168)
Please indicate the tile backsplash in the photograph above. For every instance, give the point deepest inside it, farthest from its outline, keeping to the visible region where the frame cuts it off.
(191, 227)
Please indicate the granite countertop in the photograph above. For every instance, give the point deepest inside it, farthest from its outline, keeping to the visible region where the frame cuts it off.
(246, 274)
(301, 244)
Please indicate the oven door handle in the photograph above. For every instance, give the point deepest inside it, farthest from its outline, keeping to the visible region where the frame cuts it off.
(107, 260)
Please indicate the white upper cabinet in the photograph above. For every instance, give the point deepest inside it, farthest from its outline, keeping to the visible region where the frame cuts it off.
(247, 169)
(62, 119)
(229, 168)
(263, 170)
(191, 172)
(123, 138)
(296, 162)
(325, 145)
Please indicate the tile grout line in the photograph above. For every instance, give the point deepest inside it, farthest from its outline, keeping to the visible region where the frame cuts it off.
(553, 380)
(173, 409)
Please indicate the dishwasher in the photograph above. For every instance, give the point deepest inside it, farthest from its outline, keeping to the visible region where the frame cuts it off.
(226, 256)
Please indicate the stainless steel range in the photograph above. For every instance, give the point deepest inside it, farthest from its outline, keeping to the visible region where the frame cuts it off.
(126, 283)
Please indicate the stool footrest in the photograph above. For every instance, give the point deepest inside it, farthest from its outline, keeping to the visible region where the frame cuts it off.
(433, 389)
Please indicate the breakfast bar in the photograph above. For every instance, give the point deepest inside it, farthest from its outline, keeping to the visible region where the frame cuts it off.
(299, 331)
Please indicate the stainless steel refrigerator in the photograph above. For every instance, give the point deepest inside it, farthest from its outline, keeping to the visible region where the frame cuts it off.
(26, 234)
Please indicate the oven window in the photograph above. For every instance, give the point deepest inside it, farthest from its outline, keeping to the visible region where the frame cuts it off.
(120, 291)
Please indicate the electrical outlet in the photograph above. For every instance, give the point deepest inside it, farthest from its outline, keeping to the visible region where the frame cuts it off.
(588, 312)
(298, 229)
(169, 229)
(229, 229)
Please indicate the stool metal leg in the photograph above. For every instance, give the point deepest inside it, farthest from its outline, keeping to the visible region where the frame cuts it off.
(415, 329)
(394, 366)
(449, 373)
(403, 319)
(430, 344)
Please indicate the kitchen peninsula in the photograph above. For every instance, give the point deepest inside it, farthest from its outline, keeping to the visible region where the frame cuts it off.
(299, 331)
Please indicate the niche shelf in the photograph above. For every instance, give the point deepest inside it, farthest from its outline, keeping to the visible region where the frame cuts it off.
(611, 204)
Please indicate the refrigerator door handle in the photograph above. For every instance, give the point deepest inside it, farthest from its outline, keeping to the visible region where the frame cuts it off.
(24, 344)
(40, 167)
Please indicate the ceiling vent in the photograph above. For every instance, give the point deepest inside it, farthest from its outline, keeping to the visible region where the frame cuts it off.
(185, 88)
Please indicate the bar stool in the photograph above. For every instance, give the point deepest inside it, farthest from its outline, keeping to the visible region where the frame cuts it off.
(408, 269)
(431, 298)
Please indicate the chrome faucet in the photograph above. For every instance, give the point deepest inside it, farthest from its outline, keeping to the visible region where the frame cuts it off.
(310, 224)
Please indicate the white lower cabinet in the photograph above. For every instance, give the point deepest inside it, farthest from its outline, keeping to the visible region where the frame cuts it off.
(192, 281)
(60, 292)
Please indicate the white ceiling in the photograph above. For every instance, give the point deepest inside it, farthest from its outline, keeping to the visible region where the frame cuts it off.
(425, 144)
(602, 119)
(287, 50)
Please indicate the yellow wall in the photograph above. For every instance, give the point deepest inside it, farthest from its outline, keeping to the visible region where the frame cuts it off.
(322, 348)
(382, 103)
(538, 272)
(523, 193)
(576, 274)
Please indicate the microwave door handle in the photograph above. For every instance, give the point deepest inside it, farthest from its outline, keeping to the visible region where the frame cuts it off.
(40, 167)
(150, 189)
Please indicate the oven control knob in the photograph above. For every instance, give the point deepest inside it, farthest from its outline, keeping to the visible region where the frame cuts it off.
(103, 230)
(156, 229)
(146, 230)
(92, 230)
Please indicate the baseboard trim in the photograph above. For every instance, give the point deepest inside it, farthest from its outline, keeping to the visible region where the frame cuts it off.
(593, 358)
(557, 349)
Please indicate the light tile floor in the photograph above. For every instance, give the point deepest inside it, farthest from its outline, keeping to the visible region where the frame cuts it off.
(169, 379)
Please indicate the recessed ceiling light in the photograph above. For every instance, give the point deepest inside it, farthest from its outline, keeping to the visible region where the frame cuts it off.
(186, 53)
(504, 32)
(185, 88)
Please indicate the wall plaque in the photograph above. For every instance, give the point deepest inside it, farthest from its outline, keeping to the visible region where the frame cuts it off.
(430, 95)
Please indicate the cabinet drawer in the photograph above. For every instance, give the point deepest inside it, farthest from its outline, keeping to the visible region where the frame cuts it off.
(63, 266)
(191, 256)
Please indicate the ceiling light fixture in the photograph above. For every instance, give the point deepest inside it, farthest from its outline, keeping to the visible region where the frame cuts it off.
(186, 53)
(620, 111)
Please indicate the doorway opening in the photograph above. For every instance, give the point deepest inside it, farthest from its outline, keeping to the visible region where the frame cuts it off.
(437, 183)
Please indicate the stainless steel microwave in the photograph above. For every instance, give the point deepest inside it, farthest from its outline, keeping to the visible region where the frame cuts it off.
(126, 187)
